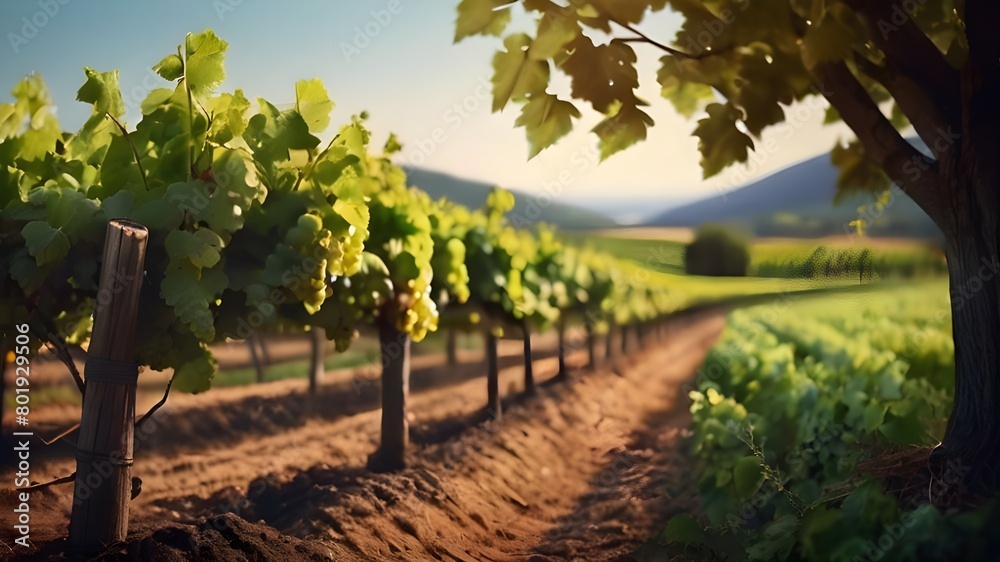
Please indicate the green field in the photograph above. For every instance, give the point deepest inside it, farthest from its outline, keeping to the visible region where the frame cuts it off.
(787, 258)
(789, 405)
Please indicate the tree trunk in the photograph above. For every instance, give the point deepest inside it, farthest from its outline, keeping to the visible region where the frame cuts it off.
(451, 347)
(529, 375)
(609, 342)
(624, 338)
(492, 376)
(394, 346)
(561, 330)
(255, 359)
(640, 333)
(591, 343)
(103, 485)
(317, 358)
(265, 355)
(972, 440)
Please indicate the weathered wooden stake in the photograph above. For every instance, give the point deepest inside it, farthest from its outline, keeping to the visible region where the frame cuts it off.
(492, 375)
(317, 357)
(529, 375)
(103, 486)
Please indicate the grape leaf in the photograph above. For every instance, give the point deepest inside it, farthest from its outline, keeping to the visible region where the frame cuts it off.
(191, 291)
(171, 67)
(555, 32)
(195, 375)
(546, 119)
(747, 476)
(313, 104)
(46, 244)
(602, 74)
(201, 247)
(683, 529)
(101, 89)
(515, 74)
(206, 55)
(830, 38)
(481, 17)
(720, 142)
(621, 130)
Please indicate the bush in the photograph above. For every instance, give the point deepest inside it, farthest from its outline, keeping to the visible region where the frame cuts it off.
(718, 252)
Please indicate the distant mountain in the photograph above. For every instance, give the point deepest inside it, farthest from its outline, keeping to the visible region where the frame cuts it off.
(629, 210)
(528, 209)
(798, 201)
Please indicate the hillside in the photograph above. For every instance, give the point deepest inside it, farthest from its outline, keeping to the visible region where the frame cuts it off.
(527, 211)
(798, 201)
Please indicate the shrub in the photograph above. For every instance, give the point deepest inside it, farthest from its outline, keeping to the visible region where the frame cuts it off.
(717, 251)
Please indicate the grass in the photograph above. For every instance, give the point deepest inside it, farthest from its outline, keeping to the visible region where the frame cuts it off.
(667, 256)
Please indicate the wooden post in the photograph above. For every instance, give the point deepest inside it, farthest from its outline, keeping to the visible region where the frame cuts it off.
(103, 486)
(451, 347)
(394, 346)
(529, 375)
(561, 329)
(317, 358)
(492, 375)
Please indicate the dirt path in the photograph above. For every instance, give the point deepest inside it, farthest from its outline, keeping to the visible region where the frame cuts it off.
(585, 470)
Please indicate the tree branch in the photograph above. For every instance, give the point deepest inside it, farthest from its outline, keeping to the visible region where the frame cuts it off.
(931, 125)
(643, 38)
(158, 405)
(135, 153)
(57, 481)
(61, 350)
(909, 49)
(913, 172)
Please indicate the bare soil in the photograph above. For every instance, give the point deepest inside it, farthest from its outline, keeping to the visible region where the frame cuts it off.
(587, 469)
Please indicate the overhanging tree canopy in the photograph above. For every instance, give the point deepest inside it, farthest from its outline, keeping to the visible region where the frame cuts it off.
(884, 65)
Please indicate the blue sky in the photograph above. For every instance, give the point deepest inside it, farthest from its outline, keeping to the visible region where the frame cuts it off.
(405, 71)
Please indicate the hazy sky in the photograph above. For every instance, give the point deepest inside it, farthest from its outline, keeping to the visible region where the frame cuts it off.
(404, 70)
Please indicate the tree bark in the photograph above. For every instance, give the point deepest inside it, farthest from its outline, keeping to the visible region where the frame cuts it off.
(972, 439)
(493, 406)
(591, 345)
(265, 355)
(451, 347)
(529, 375)
(103, 486)
(255, 359)
(609, 348)
(561, 329)
(317, 358)
(624, 338)
(395, 349)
